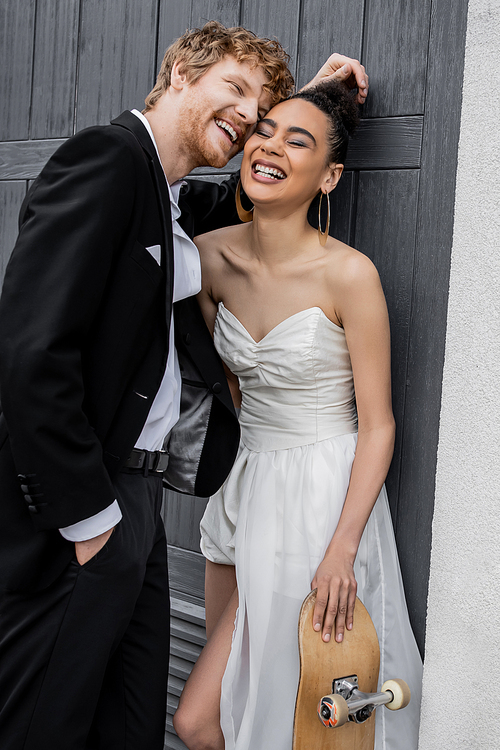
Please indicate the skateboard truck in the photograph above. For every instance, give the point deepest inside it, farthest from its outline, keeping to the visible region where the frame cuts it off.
(348, 703)
(358, 657)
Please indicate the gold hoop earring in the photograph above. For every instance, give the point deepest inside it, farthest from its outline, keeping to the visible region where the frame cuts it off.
(242, 212)
(323, 236)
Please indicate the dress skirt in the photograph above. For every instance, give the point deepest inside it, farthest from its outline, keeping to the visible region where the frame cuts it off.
(274, 519)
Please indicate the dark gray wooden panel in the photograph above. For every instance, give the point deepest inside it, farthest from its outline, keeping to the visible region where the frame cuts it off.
(187, 571)
(395, 56)
(11, 197)
(328, 26)
(175, 18)
(278, 19)
(25, 159)
(342, 208)
(386, 212)
(117, 55)
(175, 685)
(430, 298)
(17, 21)
(54, 71)
(182, 515)
(393, 143)
(225, 11)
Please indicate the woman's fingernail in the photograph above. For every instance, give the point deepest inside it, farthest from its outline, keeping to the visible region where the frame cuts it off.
(363, 84)
(345, 69)
(339, 638)
(326, 637)
(317, 626)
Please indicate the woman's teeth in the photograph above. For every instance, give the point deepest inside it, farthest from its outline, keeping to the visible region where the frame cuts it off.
(227, 127)
(275, 174)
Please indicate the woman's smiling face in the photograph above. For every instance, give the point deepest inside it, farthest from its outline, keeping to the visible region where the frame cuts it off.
(286, 158)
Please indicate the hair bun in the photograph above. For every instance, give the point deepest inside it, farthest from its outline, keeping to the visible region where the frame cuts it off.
(342, 101)
(339, 104)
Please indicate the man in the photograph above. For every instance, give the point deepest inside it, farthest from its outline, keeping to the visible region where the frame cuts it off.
(90, 381)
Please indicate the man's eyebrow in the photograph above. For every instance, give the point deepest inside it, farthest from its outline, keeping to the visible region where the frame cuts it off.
(291, 129)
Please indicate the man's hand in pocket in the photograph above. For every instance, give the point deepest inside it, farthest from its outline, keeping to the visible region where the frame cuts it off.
(86, 550)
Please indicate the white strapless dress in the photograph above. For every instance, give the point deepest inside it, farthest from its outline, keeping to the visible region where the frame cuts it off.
(275, 516)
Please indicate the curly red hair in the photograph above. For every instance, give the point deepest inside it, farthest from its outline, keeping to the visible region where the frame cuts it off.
(198, 49)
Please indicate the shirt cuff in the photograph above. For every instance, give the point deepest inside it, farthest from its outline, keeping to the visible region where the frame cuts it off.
(93, 526)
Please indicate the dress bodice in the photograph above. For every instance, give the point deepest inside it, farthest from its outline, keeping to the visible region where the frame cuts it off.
(296, 382)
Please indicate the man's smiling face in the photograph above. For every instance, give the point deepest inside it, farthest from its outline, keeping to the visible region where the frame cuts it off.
(220, 110)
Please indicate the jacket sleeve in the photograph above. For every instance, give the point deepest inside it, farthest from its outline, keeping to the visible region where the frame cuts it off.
(73, 225)
(209, 205)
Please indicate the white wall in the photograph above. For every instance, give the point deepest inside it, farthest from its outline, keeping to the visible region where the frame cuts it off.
(462, 665)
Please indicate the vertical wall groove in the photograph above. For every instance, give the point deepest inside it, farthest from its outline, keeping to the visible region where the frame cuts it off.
(32, 68)
(77, 73)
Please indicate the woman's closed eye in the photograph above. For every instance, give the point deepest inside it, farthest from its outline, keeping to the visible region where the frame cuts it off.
(263, 132)
(268, 133)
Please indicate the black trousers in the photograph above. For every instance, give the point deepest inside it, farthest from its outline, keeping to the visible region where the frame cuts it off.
(84, 663)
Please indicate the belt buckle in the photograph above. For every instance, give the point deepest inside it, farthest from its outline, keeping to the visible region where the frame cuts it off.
(161, 461)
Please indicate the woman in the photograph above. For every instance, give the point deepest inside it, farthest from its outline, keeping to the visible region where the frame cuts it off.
(300, 320)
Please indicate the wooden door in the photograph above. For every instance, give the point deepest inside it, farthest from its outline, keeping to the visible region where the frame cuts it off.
(67, 64)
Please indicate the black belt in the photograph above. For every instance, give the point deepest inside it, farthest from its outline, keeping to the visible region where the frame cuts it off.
(155, 462)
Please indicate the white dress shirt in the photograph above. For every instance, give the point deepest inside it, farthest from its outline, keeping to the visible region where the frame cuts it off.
(164, 412)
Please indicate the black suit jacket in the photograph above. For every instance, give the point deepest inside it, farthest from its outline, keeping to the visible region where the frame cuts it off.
(84, 329)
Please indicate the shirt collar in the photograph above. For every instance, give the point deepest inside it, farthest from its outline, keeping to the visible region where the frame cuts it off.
(174, 189)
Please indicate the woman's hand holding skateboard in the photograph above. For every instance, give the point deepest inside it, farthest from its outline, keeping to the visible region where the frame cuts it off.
(336, 597)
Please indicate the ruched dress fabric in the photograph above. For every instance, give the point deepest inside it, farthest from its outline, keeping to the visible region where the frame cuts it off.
(275, 516)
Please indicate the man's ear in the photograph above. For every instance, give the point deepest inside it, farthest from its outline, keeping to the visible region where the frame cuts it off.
(178, 78)
(334, 175)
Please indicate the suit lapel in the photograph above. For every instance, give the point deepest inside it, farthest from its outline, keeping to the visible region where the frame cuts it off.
(134, 125)
(190, 324)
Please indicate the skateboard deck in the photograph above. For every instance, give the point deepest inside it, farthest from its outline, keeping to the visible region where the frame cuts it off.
(320, 664)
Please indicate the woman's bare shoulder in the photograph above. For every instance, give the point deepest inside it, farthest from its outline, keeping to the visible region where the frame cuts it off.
(349, 266)
(218, 250)
(220, 239)
(354, 284)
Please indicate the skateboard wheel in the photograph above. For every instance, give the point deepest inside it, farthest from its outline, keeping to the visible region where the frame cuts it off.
(400, 691)
(333, 710)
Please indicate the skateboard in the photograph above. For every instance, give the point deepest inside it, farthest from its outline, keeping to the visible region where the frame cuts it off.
(336, 697)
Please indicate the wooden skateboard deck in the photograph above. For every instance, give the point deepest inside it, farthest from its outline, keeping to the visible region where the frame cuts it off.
(320, 664)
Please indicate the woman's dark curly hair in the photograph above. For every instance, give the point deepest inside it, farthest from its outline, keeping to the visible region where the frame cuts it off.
(335, 100)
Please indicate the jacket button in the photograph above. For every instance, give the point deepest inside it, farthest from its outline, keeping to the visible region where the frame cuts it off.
(24, 488)
(216, 388)
(187, 338)
(32, 509)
